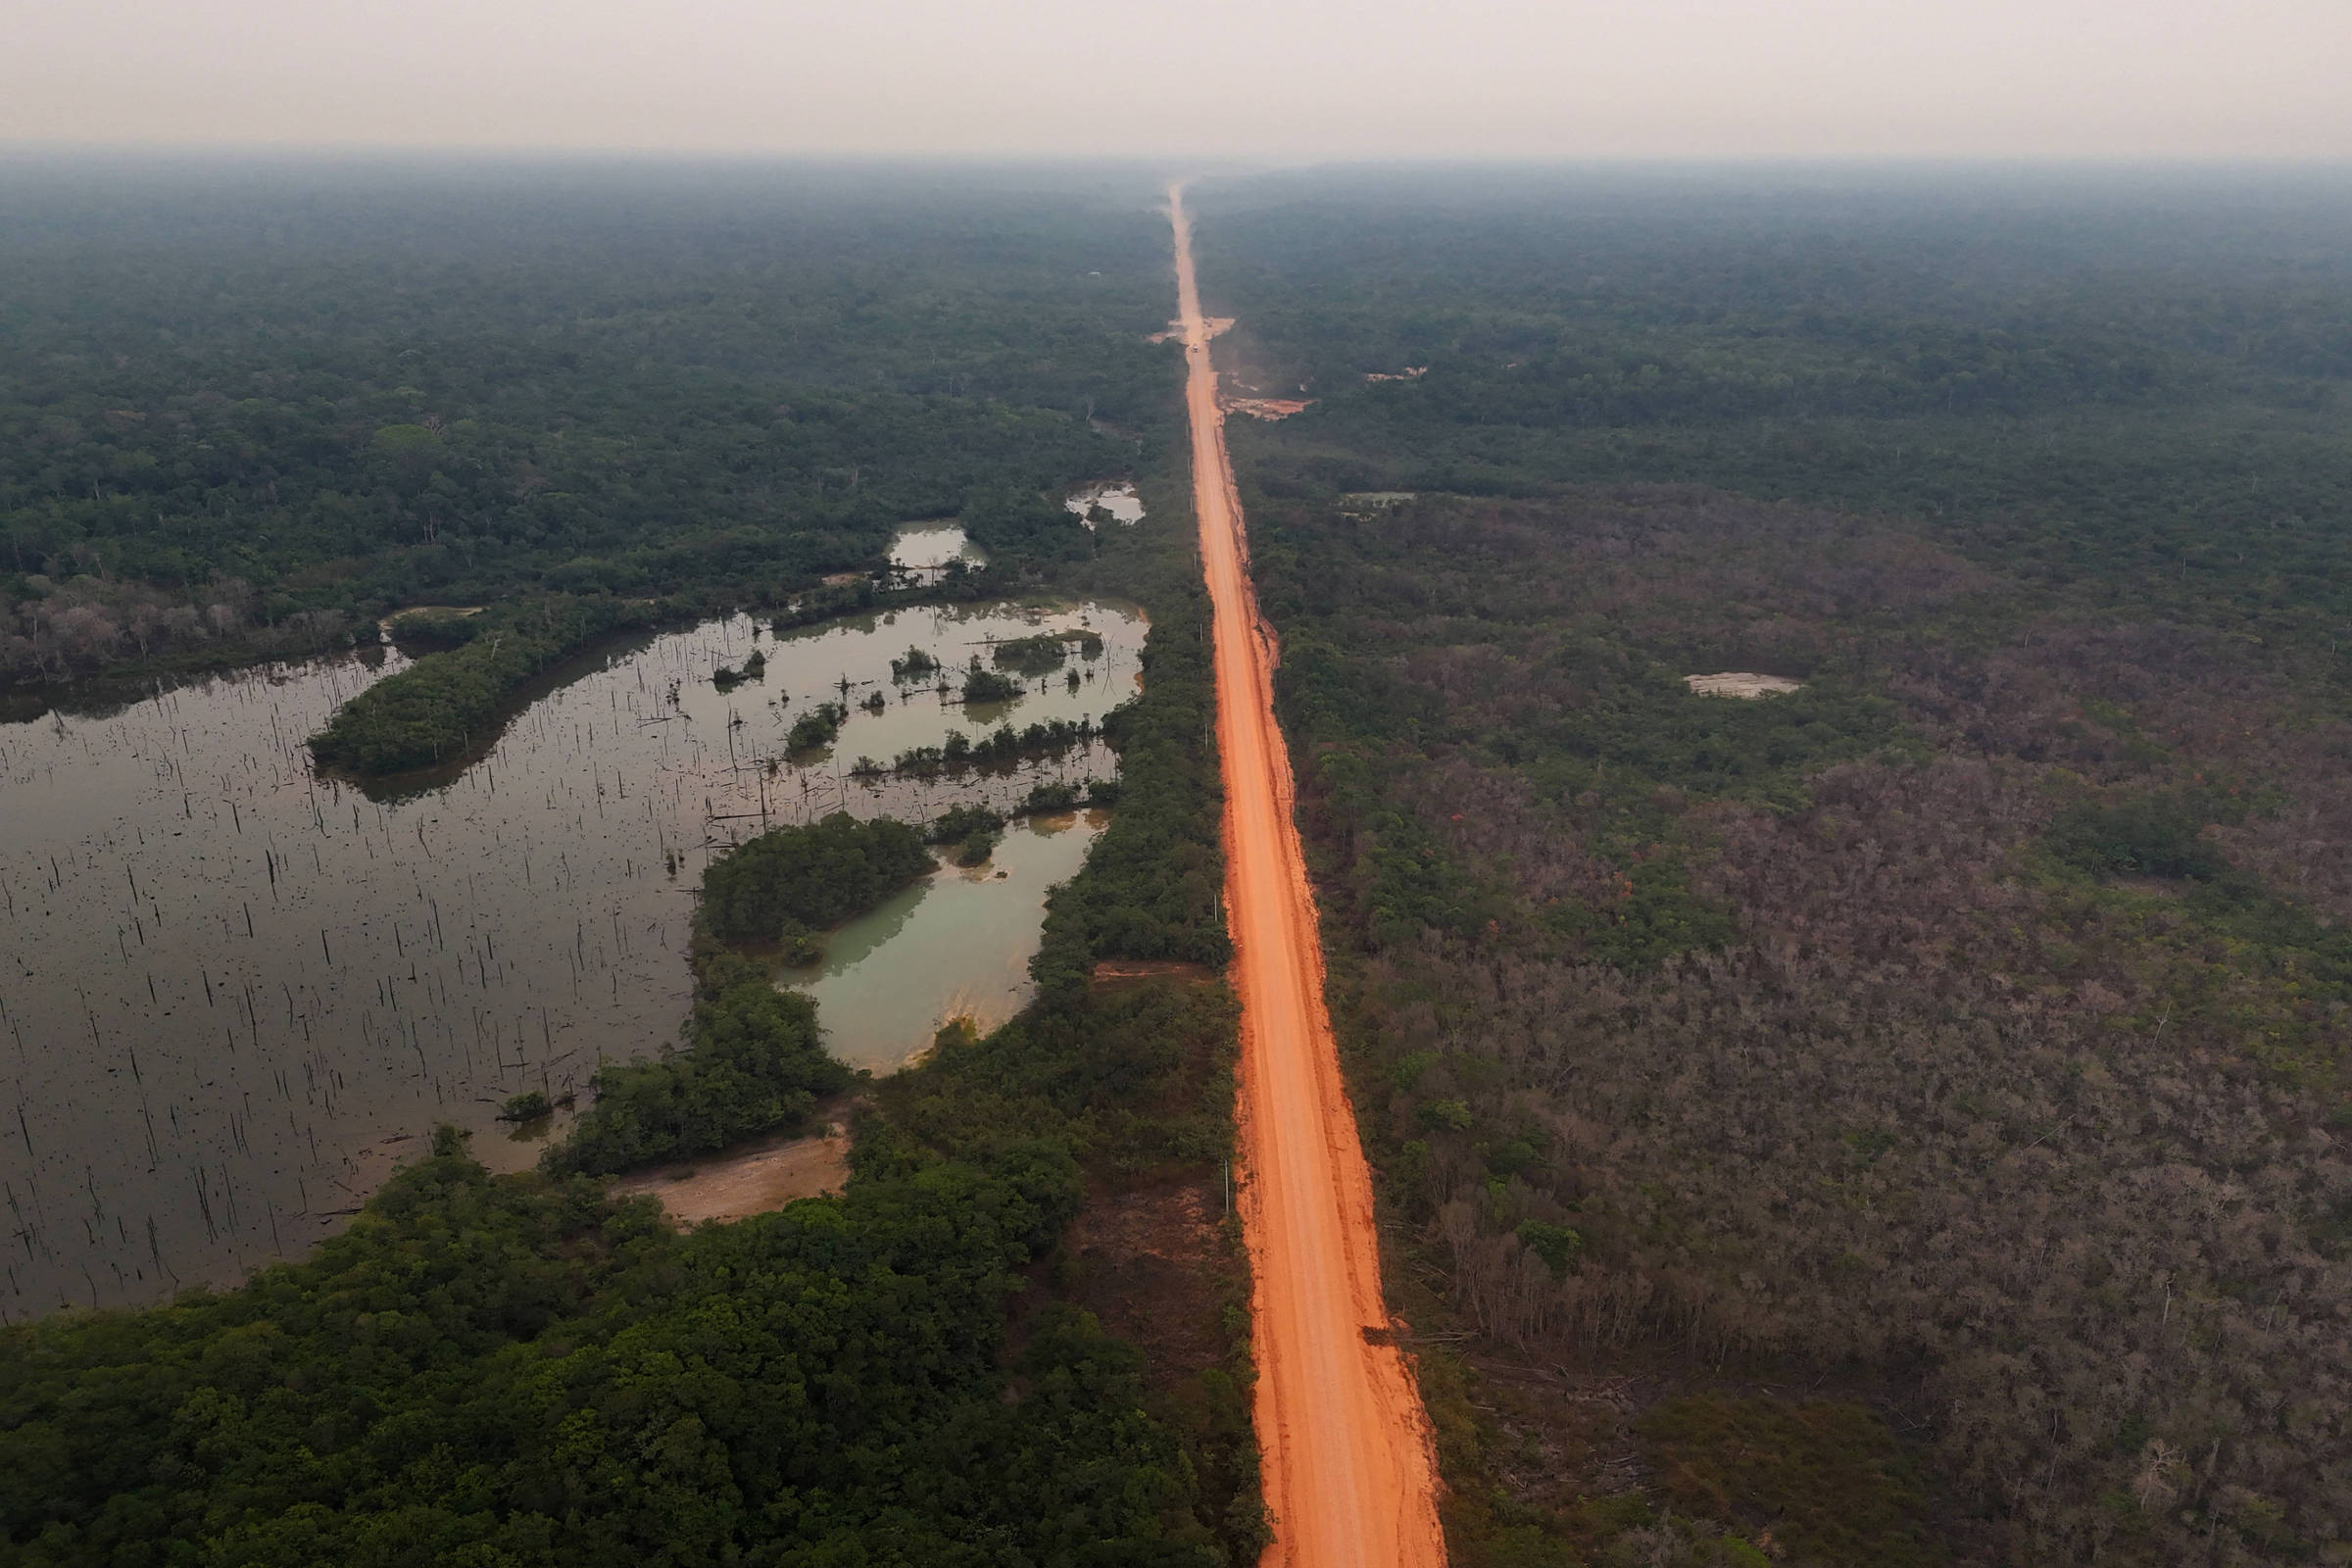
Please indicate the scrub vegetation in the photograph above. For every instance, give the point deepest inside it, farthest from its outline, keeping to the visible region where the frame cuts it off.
(1894, 1121)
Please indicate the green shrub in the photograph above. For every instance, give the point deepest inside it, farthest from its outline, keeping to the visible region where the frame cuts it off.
(1030, 656)
(529, 1105)
(755, 1063)
(959, 822)
(2147, 836)
(1049, 798)
(432, 711)
(1556, 1245)
(816, 727)
(1444, 1115)
(819, 876)
(987, 686)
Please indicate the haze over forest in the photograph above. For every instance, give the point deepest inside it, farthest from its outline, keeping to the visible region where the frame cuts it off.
(1273, 81)
(1532, 786)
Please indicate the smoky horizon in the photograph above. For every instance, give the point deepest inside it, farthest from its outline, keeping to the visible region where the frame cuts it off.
(1283, 82)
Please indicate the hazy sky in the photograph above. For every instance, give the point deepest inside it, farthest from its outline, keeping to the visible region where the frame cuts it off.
(1257, 79)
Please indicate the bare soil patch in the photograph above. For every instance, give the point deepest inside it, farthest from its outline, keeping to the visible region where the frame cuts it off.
(1742, 683)
(457, 612)
(750, 1179)
(1216, 327)
(1147, 1265)
(1267, 409)
(1130, 972)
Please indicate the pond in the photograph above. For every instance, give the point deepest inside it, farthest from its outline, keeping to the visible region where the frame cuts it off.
(968, 933)
(1117, 498)
(236, 993)
(923, 551)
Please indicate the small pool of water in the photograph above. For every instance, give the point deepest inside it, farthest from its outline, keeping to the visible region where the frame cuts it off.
(956, 944)
(923, 551)
(1118, 499)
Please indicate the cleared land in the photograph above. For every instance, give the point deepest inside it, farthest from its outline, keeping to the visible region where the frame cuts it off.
(1348, 1470)
(754, 1178)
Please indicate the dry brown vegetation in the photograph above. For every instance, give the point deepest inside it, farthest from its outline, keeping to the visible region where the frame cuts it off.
(75, 625)
(1815, 1033)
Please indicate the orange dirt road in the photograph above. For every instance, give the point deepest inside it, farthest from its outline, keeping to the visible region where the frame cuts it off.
(1348, 1475)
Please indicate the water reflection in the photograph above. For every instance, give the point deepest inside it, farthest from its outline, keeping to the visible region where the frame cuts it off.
(922, 552)
(1118, 499)
(234, 994)
(956, 944)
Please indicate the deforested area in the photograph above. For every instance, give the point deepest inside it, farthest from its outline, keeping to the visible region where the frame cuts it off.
(1887, 1107)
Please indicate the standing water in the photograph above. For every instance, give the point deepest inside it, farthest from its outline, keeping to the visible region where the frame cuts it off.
(947, 929)
(1117, 500)
(923, 551)
(233, 993)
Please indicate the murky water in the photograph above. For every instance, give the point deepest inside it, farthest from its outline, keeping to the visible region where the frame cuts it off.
(1117, 498)
(922, 551)
(233, 993)
(968, 933)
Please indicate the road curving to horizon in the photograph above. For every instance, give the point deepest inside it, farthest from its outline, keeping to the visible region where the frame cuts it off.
(1345, 1445)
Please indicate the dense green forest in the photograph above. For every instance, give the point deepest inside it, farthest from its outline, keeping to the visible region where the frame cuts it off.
(495, 1371)
(430, 712)
(754, 1059)
(2132, 385)
(941, 1366)
(1895, 1121)
(246, 408)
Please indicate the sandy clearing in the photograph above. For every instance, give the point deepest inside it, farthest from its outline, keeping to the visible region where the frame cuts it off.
(1742, 683)
(750, 1179)
(393, 618)
(1349, 1474)
(1215, 325)
(1267, 409)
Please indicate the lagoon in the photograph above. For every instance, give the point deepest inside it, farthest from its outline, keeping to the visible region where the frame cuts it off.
(233, 993)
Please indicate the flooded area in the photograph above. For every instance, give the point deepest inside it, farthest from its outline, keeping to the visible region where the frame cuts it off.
(1117, 501)
(966, 931)
(923, 551)
(235, 994)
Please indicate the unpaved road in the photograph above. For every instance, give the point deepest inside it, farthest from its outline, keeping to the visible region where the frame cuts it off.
(1347, 1469)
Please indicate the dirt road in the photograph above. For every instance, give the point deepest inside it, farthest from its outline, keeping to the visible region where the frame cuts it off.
(1347, 1461)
